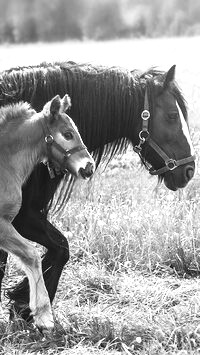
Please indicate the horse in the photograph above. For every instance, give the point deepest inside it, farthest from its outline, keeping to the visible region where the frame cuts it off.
(112, 107)
(26, 138)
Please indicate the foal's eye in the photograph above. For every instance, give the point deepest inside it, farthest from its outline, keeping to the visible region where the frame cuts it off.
(173, 115)
(68, 135)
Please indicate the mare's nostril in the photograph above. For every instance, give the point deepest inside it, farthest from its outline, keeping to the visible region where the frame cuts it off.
(189, 171)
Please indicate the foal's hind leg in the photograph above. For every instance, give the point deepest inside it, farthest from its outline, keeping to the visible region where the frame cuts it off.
(11, 241)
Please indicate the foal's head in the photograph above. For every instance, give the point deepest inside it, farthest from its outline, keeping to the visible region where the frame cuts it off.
(65, 148)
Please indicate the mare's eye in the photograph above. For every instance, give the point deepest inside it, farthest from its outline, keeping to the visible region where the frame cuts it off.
(173, 115)
(68, 135)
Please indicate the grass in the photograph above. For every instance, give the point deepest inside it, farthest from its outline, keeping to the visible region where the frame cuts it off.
(132, 283)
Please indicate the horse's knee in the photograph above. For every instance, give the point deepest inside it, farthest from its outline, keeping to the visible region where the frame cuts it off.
(58, 256)
(65, 255)
(64, 251)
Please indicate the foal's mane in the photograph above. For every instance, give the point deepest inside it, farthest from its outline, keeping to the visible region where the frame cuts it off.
(12, 115)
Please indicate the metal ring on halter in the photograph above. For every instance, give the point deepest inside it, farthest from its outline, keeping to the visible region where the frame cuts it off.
(171, 164)
(68, 154)
(145, 115)
(143, 135)
(49, 139)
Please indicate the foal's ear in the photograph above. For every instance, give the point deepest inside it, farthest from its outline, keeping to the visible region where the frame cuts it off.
(169, 77)
(66, 103)
(55, 106)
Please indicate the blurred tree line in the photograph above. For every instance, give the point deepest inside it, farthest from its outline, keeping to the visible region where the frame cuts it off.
(52, 20)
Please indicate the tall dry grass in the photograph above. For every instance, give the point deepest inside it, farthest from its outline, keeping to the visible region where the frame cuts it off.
(124, 218)
(132, 283)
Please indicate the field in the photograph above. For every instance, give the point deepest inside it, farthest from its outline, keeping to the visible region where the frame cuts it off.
(132, 284)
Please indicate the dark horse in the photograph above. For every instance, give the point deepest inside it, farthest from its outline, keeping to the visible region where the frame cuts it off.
(112, 107)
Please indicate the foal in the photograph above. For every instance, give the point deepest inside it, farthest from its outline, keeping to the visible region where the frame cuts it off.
(27, 138)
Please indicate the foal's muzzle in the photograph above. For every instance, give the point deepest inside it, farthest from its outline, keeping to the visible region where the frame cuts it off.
(88, 171)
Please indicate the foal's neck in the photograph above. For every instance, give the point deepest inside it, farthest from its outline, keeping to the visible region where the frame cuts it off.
(30, 148)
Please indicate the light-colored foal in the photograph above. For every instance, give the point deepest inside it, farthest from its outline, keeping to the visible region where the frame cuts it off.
(26, 139)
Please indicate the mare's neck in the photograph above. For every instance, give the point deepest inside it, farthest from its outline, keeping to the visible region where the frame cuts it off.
(112, 123)
(106, 102)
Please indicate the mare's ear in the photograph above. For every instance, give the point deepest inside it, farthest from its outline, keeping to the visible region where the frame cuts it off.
(169, 77)
(66, 103)
(55, 106)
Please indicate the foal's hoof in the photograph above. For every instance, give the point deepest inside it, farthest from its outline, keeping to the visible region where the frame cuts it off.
(45, 326)
(47, 333)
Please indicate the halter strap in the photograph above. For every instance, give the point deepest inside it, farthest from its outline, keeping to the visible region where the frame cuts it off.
(170, 164)
(144, 136)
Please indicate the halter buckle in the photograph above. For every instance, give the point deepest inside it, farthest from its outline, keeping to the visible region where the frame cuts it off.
(171, 164)
(67, 154)
(137, 149)
(145, 115)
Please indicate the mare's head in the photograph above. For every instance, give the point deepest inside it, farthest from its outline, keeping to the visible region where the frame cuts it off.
(65, 148)
(164, 140)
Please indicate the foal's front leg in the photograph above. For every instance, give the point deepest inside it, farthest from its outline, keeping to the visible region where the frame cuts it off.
(12, 241)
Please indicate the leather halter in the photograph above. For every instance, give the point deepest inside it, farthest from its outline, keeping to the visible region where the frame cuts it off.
(50, 141)
(144, 136)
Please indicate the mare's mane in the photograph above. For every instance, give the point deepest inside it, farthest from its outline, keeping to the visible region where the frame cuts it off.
(106, 102)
